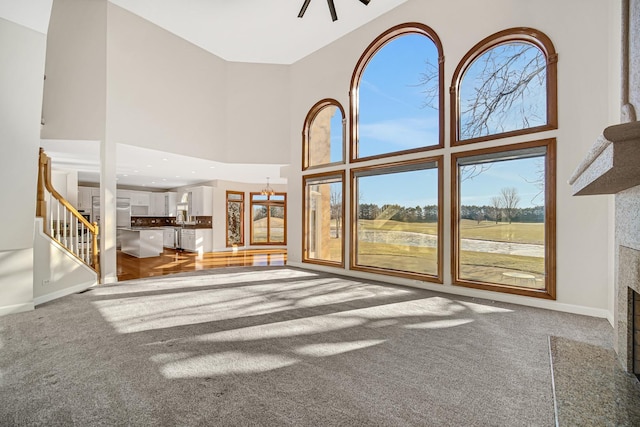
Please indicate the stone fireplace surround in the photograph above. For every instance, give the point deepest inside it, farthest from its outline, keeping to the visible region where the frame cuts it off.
(613, 167)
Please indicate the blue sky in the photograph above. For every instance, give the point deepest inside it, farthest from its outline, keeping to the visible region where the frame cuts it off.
(393, 117)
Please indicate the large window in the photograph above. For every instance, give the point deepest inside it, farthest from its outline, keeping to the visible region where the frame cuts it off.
(504, 218)
(235, 218)
(268, 219)
(397, 224)
(396, 94)
(324, 218)
(505, 86)
(323, 134)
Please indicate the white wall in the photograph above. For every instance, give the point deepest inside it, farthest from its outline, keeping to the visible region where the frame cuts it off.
(22, 53)
(57, 273)
(66, 183)
(584, 79)
(75, 89)
(257, 100)
(163, 92)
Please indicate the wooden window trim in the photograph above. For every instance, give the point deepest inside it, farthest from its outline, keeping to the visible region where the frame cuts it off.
(521, 34)
(306, 128)
(268, 203)
(354, 215)
(305, 218)
(550, 221)
(370, 51)
(241, 243)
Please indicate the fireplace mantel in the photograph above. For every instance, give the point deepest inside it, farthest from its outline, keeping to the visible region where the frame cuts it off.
(613, 163)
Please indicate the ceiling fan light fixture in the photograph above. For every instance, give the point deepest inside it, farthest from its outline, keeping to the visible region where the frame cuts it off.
(332, 8)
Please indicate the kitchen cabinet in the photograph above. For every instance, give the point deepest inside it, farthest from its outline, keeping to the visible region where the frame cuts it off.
(200, 201)
(197, 240)
(163, 204)
(85, 195)
(169, 237)
(140, 198)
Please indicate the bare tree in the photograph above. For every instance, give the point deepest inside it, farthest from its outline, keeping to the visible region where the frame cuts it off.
(504, 89)
(510, 200)
(468, 172)
(496, 204)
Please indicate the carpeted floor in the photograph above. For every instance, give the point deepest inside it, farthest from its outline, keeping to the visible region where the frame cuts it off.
(280, 346)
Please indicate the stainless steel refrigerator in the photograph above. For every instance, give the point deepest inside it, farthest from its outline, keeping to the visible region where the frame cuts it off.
(123, 211)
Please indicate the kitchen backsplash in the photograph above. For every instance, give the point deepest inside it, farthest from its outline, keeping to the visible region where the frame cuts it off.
(165, 221)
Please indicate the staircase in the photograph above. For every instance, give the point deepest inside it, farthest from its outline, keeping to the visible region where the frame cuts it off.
(62, 222)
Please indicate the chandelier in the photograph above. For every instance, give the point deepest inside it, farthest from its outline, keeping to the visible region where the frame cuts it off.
(267, 191)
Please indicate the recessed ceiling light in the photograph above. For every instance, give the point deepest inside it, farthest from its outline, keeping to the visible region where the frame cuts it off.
(136, 171)
(153, 182)
(125, 174)
(164, 179)
(148, 166)
(212, 167)
(193, 171)
(165, 159)
(177, 176)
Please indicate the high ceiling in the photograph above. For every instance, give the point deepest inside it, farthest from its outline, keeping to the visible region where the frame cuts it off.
(258, 31)
(265, 31)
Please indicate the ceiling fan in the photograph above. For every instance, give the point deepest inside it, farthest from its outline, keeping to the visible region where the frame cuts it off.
(332, 8)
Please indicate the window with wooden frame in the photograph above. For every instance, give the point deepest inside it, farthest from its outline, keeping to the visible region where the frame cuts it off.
(396, 94)
(268, 219)
(235, 218)
(323, 134)
(503, 218)
(397, 219)
(506, 85)
(323, 196)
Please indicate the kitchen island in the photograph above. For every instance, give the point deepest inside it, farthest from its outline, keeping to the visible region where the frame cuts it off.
(141, 242)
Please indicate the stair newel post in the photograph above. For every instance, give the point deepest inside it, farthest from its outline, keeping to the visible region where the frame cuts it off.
(95, 260)
(41, 204)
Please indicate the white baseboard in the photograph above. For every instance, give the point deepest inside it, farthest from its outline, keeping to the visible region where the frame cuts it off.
(468, 292)
(17, 308)
(63, 293)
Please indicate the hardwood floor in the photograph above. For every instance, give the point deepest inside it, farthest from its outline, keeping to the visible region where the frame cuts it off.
(172, 261)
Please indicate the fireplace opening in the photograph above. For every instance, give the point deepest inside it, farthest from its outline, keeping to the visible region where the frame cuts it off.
(635, 331)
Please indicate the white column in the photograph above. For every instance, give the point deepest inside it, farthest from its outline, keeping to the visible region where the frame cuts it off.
(108, 267)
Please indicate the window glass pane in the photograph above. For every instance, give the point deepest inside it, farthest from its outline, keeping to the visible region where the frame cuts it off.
(276, 224)
(234, 196)
(324, 226)
(397, 221)
(260, 221)
(234, 223)
(325, 136)
(398, 97)
(259, 197)
(277, 197)
(504, 89)
(502, 221)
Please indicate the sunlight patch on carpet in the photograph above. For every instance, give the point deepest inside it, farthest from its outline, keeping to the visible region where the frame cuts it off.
(334, 348)
(439, 324)
(230, 362)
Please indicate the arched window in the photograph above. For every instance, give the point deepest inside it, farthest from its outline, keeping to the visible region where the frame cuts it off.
(323, 134)
(396, 94)
(505, 86)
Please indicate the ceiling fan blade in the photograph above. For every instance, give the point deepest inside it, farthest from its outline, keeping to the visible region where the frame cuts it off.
(332, 9)
(305, 5)
(365, 2)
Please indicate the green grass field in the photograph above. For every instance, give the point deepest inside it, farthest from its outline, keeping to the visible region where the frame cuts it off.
(477, 266)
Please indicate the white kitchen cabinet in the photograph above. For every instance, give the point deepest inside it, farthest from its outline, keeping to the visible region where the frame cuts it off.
(85, 195)
(201, 201)
(200, 240)
(140, 198)
(169, 237)
(163, 204)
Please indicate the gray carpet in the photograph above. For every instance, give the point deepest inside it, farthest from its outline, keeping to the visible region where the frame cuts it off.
(280, 346)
